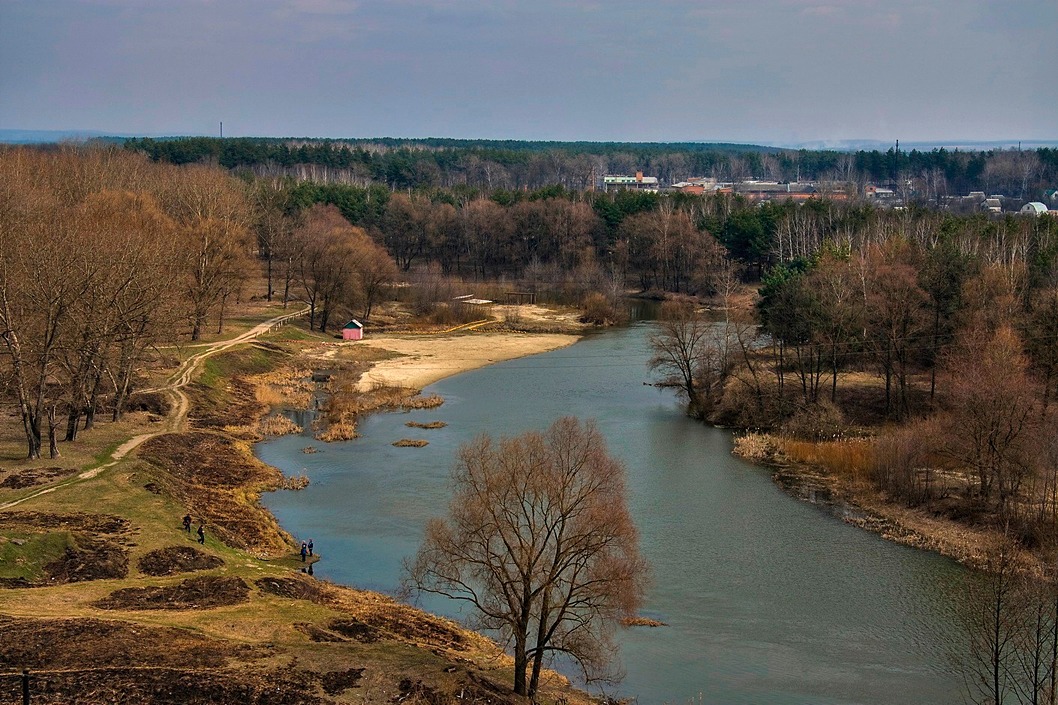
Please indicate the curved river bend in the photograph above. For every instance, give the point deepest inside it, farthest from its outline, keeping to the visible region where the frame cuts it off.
(767, 599)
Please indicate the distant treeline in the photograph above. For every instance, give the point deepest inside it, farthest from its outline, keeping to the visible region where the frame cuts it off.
(508, 164)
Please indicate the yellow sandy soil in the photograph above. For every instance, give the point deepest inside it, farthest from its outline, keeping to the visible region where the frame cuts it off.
(425, 359)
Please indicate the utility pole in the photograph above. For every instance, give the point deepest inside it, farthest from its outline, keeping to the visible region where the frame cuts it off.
(222, 129)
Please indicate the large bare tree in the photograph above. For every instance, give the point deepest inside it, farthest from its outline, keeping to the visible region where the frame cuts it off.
(539, 539)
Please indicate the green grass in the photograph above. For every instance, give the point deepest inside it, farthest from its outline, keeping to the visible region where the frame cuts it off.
(243, 360)
(28, 560)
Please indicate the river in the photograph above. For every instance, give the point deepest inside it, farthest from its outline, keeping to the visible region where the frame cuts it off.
(768, 600)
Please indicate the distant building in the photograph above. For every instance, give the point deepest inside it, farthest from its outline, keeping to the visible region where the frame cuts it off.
(630, 183)
(697, 185)
(353, 330)
(1034, 208)
(775, 191)
(992, 205)
(881, 193)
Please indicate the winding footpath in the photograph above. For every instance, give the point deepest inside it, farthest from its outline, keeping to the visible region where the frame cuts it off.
(177, 417)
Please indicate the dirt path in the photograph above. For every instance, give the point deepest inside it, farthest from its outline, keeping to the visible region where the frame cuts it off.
(177, 417)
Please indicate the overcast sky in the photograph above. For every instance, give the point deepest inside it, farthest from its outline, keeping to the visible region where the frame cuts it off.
(776, 71)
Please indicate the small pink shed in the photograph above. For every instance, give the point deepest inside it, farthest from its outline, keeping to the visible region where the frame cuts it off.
(353, 330)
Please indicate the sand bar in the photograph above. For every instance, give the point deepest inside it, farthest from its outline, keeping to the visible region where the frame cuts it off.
(426, 359)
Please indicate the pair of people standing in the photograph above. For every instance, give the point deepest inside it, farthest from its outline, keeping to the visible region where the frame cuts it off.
(306, 550)
(201, 531)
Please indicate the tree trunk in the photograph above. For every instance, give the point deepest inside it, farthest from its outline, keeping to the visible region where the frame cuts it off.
(73, 423)
(220, 321)
(541, 639)
(520, 663)
(270, 290)
(93, 400)
(53, 444)
(31, 423)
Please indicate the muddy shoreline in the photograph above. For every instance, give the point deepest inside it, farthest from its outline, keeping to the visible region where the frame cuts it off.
(914, 528)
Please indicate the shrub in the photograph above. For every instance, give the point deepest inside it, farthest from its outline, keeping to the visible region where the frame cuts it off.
(597, 310)
(816, 422)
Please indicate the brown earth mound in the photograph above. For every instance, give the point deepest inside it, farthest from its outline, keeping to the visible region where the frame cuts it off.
(90, 559)
(355, 629)
(88, 523)
(474, 690)
(160, 686)
(94, 550)
(337, 682)
(201, 458)
(30, 477)
(152, 402)
(317, 634)
(404, 624)
(239, 408)
(194, 593)
(417, 627)
(177, 559)
(296, 588)
(221, 479)
(89, 643)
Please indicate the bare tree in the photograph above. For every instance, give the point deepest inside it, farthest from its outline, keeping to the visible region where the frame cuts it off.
(538, 538)
(693, 355)
(989, 612)
(992, 427)
(212, 208)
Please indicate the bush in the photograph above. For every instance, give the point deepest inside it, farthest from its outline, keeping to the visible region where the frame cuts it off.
(822, 421)
(597, 310)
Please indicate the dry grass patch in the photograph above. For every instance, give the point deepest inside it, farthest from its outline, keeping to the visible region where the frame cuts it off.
(756, 447)
(296, 482)
(847, 459)
(291, 388)
(430, 425)
(410, 443)
(641, 622)
(343, 430)
(277, 425)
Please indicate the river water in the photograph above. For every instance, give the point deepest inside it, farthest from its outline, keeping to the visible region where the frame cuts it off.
(767, 599)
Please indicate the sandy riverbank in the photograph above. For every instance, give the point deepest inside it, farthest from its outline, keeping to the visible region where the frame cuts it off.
(425, 359)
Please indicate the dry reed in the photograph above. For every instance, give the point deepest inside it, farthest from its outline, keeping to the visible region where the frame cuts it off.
(277, 425)
(410, 443)
(757, 447)
(848, 459)
(340, 431)
(297, 482)
(432, 424)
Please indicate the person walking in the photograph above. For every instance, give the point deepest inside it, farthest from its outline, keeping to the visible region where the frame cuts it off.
(187, 523)
(201, 534)
(304, 551)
